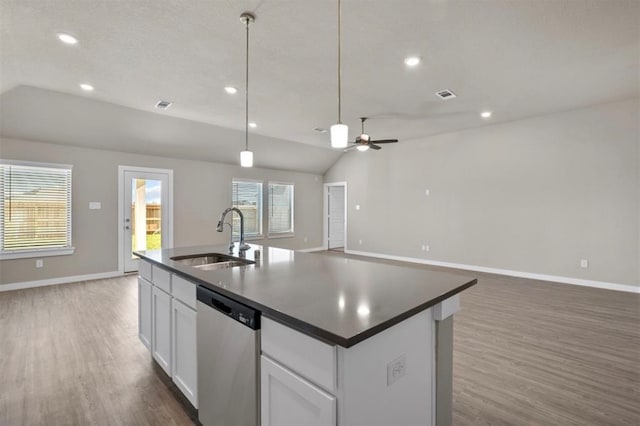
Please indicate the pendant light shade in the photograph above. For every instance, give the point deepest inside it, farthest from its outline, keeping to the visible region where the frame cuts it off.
(339, 131)
(246, 159)
(246, 156)
(339, 135)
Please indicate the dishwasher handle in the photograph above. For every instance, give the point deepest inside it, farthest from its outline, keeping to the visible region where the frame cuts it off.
(219, 305)
(229, 307)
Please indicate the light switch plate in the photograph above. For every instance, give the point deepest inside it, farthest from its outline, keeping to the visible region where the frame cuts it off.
(95, 205)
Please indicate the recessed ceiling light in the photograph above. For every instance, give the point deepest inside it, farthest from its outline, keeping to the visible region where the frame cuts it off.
(231, 90)
(86, 87)
(412, 61)
(253, 125)
(319, 130)
(485, 114)
(67, 38)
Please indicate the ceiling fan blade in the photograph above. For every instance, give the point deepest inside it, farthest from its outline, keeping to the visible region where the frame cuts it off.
(386, 141)
(372, 146)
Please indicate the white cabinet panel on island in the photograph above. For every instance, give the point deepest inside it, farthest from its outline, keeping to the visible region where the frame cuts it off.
(144, 311)
(289, 400)
(161, 326)
(184, 353)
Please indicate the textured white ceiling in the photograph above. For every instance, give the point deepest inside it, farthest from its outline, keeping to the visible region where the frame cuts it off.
(516, 58)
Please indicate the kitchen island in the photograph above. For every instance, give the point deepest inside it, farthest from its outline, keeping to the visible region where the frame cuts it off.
(343, 341)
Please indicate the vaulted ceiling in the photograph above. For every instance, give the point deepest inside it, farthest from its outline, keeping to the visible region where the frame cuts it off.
(516, 59)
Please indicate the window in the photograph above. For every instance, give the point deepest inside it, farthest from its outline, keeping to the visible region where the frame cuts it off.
(247, 196)
(35, 210)
(280, 208)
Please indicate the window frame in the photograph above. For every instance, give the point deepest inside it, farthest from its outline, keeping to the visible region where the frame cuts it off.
(40, 251)
(286, 234)
(260, 210)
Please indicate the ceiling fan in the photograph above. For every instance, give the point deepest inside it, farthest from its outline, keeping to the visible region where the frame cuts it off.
(364, 142)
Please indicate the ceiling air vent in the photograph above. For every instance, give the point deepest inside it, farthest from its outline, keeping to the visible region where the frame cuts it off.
(445, 94)
(163, 104)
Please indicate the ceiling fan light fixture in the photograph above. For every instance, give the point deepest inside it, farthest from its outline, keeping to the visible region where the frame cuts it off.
(339, 135)
(363, 147)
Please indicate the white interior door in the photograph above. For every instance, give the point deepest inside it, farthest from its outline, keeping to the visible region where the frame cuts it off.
(336, 216)
(146, 212)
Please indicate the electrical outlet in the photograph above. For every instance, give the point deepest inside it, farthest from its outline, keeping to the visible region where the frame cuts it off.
(427, 192)
(360, 242)
(584, 263)
(357, 206)
(39, 263)
(396, 369)
(425, 247)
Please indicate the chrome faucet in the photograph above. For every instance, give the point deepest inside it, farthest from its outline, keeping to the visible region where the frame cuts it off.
(231, 243)
(220, 227)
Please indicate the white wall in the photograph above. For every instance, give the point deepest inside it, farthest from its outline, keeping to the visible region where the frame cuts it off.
(201, 191)
(535, 195)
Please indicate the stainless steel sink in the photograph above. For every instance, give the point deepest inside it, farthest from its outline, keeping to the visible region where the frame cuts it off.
(211, 261)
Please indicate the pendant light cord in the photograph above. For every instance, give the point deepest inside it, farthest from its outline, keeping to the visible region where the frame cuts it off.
(246, 95)
(339, 62)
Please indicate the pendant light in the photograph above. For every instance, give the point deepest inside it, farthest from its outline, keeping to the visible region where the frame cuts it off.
(246, 156)
(339, 131)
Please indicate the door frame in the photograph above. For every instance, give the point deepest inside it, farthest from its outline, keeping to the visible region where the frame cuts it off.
(325, 214)
(121, 192)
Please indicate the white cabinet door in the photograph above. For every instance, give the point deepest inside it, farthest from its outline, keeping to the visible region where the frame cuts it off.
(289, 400)
(184, 353)
(144, 312)
(161, 328)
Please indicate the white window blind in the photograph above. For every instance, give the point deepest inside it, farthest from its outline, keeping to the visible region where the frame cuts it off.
(35, 212)
(280, 208)
(247, 196)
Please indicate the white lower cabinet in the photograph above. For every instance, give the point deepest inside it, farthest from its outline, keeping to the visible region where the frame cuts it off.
(184, 353)
(289, 400)
(167, 324)
(161, 328)
(144, 311)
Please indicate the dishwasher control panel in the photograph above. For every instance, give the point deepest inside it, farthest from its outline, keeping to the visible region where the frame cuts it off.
(236, 310)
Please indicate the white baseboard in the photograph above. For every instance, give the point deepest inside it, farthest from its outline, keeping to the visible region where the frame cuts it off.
(533, 276)
(60, 280)
(309, 250)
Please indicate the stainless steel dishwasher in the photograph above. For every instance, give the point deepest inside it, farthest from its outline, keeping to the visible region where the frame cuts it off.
(228, 361)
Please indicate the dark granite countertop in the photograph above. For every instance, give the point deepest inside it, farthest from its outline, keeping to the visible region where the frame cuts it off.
(340, 301)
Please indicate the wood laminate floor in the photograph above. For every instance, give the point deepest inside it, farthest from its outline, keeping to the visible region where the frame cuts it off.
(526, 353)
